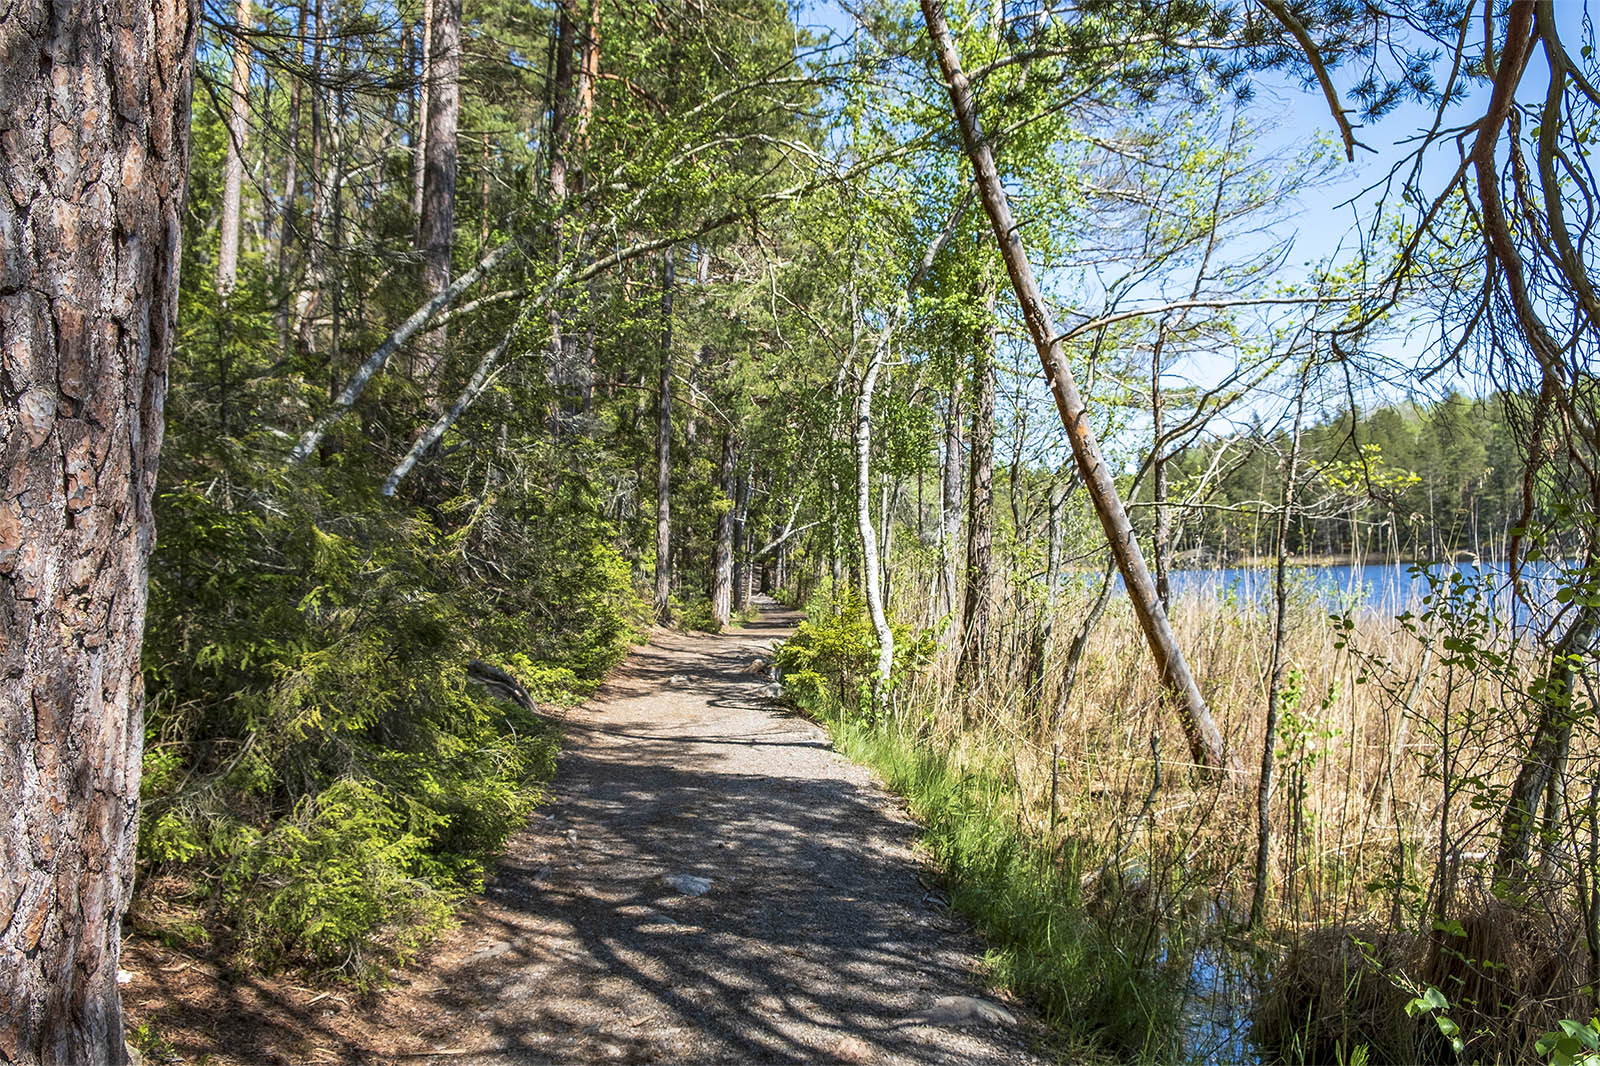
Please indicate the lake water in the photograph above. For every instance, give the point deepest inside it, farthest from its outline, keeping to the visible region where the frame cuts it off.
(1388, 588)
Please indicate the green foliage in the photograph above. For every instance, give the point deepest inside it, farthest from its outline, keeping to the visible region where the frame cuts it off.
(1023, 895)
(833, 652)
(1574, 1044)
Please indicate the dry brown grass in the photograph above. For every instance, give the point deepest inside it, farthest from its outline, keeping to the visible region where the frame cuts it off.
(1390, 767)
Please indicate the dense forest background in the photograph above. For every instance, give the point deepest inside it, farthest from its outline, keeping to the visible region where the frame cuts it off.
(508, 330)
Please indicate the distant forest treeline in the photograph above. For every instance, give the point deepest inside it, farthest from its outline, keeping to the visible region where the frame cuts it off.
(1411, 480)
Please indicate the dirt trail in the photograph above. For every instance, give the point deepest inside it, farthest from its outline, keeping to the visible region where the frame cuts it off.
(815, 940)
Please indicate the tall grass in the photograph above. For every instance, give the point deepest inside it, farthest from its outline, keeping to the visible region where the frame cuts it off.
(1082, 840)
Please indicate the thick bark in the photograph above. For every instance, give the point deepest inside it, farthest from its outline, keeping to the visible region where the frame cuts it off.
(741, 541)
(562, 102)
(233, 162)
(663, 592)
(93, 163)
(436, 231)
(310, 290)
(1205, 742)
(722, 553)
(976, 611)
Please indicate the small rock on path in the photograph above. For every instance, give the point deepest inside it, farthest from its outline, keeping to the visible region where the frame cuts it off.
(710, 883)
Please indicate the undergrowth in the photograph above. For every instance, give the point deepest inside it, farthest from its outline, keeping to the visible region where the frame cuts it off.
(1090, 980)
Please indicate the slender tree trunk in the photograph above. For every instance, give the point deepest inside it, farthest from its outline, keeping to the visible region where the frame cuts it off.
(233, 161)
(663, 596)
(1280, 601)
(1162, 542)
(309, 297)
(871, 575)
(88, 306)
(980, 504)
(950, 504)
(1205, 742)
(290, 217)
(722, 553)
(741, 540)
(1038, 651)
(419, 142)
(436, 232)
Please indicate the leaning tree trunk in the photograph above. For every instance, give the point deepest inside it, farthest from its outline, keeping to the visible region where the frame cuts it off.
(93, 167)
(233, 161)
(1205, 742)
(975, 614)
(1554, 696)
(436, 230)
(663, 596)
(722, 554)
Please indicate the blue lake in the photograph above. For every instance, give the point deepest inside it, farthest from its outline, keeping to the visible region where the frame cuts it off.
(1386, 588)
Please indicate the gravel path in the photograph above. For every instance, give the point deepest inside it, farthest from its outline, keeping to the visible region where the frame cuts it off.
(817, 938)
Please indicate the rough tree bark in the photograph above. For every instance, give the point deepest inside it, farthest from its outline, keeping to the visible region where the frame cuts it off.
(975, 613)
(94, 146)
(419, 148)
(722, 553)
(741, 540)
(233, 163)
(436, 230)
(288, 219)
(663, 593)
(1205, 742)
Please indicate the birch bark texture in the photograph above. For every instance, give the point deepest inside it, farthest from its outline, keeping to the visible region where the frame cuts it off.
(94, 146)
(1205, 742)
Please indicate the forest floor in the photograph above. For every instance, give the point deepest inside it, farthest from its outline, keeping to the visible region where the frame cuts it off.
(709, 882)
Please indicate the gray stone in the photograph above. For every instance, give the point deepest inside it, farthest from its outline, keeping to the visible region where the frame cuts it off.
(687, 884)
(966, 1010)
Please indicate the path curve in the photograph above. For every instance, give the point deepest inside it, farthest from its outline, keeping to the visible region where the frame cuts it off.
(817, 939)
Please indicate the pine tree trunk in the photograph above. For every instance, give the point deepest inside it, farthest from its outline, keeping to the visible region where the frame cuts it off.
(741, 541)
(722, 553)
(308, 299)
(233, 163)
(1205, 742)
(288, 219)
(663, 596)
(436, 233)
(419, 146)
(93, 167)
(980, 504)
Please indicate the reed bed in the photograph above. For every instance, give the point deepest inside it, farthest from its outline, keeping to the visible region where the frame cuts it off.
(1398, 740)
